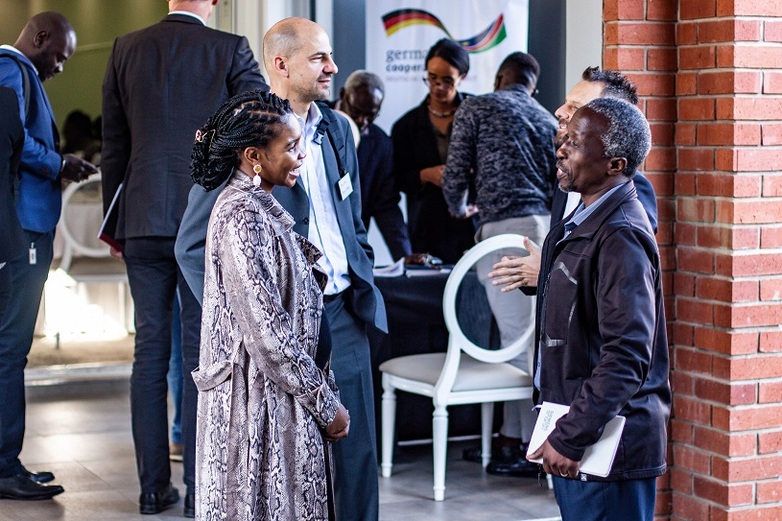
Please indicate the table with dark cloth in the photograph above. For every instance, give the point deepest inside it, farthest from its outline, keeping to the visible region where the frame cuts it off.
(416, 325)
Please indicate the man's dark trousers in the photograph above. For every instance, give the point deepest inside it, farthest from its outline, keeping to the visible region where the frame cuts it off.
(154, 277)
(17, 326)
(628, 500)
(350, 361)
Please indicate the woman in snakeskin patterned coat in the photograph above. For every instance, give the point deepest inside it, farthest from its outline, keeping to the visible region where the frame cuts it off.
(266, 409)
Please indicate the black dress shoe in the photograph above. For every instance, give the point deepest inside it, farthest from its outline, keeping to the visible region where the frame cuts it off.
(23, 488)
(474, 454)
(190, 505)
(39, 477)
(516, 466)
(154, 502)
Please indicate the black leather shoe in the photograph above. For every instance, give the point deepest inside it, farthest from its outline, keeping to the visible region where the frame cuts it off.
(154, 502)
(190, 505)
(23, 488)
(474, 454)
(502, 449)
(519, 468)
(39, 477)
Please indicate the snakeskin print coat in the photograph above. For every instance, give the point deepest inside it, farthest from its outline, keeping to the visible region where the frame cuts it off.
(262, 400)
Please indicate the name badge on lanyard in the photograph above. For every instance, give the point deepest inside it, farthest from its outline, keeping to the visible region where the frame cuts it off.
(345, 186)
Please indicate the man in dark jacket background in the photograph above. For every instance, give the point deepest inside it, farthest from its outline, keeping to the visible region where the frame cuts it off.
(600, 321)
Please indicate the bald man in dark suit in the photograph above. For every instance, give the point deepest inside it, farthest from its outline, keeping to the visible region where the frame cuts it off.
(161, 84)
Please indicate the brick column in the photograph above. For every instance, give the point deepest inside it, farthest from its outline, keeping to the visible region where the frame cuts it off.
(639, 40)
(721, 241)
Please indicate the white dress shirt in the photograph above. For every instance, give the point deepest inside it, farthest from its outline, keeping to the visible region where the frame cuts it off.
(323, 226)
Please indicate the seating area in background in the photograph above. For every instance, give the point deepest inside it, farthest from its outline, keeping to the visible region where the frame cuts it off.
(87, 289)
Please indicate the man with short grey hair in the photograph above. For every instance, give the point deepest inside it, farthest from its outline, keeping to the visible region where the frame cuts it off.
(602, 346)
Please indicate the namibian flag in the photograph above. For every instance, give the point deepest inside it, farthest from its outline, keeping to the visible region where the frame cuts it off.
(490, 37)
(401, 18)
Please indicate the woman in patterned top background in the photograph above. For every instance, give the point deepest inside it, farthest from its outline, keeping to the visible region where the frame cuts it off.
(265, 406)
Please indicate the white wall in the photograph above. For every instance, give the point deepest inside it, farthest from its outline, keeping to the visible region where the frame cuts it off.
(584, 38)
(251, 18)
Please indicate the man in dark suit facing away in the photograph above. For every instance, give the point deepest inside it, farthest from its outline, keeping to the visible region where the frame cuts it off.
(361, 98)
(161, 84)
(326, 206)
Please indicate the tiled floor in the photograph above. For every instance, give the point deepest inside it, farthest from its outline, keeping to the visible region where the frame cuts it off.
(81, 431)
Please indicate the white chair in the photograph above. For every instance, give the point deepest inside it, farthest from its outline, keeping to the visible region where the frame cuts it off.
(465, 374)
(87, 195)
(84, 258)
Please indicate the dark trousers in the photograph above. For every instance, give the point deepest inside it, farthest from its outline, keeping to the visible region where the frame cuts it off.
(17, 326)
(629, 500)
(154, 277)
(5, 288)
(355, 457)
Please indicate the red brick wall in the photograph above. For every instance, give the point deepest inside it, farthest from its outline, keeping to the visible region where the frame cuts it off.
(640, 40)
(710, 73)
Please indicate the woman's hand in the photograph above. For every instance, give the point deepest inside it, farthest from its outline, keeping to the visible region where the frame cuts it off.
(433, 174)
(339, 426)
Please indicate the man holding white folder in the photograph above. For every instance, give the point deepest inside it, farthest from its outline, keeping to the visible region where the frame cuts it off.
(603, 348)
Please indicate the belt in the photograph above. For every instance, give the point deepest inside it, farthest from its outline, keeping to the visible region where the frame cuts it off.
(334, 296)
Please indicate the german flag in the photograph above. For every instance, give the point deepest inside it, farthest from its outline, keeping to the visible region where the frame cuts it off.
(401, 18)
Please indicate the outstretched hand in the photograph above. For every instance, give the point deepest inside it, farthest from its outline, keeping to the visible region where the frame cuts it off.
(76, 169)
(513, 272)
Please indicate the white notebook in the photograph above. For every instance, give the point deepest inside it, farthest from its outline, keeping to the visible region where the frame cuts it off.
(598, 458)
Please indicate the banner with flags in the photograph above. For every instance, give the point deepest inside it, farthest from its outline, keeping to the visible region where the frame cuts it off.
(399, 34)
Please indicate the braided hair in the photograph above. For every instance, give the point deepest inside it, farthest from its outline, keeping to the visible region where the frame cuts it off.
(247, 119)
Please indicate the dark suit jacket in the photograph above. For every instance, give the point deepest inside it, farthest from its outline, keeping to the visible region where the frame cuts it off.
(379, 194)
(643, 188)
(162, 83)
(432, 229)
(365, 299)
(39, 199)
(12, 241)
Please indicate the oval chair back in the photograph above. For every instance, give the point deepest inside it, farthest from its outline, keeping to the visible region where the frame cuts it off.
(476, 253)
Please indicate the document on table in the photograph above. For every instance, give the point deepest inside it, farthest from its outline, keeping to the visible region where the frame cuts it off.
(396, 269)
(598, 458)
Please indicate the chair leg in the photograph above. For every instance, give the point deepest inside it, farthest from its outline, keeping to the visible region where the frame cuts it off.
(487, 421)
(440, 448)
(388, 427)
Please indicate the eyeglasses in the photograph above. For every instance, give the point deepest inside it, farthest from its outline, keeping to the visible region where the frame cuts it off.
(446, 82)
